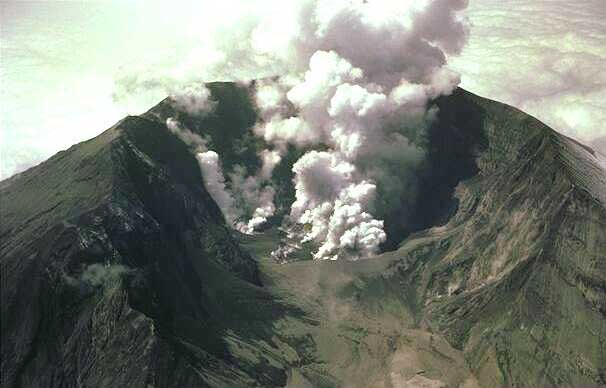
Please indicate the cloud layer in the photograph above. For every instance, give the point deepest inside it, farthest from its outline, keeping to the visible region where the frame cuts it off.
(544, 57)
(60, 86)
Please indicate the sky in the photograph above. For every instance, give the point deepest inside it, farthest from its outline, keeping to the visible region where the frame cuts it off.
(69, 70)
(546, 57)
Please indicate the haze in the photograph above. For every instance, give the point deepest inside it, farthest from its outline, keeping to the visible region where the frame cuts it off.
(69, 70)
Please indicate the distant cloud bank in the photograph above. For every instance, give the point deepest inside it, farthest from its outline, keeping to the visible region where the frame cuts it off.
(60, 85)
(545, 57)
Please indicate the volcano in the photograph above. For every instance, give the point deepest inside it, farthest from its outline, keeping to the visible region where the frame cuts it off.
(119, 269)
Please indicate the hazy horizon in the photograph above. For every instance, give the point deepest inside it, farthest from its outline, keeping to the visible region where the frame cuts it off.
(63, 64)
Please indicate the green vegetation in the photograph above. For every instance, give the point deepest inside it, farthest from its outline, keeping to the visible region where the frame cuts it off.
(499, 280)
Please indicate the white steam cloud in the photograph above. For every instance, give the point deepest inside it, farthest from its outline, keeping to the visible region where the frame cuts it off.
(194, 99)
(99, 275)
(254, 193)
(356, 79)
(102, 275)
(545, 57)
(249, 198)
(214, 181)
(189, 93)
(192, 140)
(362, 75)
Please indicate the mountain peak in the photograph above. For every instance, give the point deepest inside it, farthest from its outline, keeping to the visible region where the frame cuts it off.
(131, 276)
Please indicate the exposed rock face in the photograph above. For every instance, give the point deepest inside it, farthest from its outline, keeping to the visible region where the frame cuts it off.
(517, 278)
(118, 268)
(130, 205)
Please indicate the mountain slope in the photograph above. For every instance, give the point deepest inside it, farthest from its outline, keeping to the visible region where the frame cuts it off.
(521, 283)
(516, 279)
(115, 262)
(599, 145)
(118, 268)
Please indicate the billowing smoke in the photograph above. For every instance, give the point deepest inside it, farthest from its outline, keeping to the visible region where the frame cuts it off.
(210, 166)
(214, 181)
(99, 275)
(194, 99)
(254, 193)
(102, 275)
(335, 202)
(363, 74)
(249, 201)
(353, 80)
(191, 139)
(258, 194)
(198, 103)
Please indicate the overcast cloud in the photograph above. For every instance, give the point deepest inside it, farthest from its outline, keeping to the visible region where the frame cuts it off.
(545, 57)
(68, 70)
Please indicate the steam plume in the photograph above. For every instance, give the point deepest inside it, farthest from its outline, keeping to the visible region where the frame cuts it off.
(255, 193)
(356, 79)
(194, 99)
(214, 181)
(364, 73)
(250, 197)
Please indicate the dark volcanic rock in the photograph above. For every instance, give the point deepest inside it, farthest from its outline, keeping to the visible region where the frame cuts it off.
(108, 251)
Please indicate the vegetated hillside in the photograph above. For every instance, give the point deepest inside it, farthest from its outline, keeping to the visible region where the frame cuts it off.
(118, 269)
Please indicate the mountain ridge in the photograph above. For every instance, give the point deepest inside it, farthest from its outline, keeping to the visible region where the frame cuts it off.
(510, 224)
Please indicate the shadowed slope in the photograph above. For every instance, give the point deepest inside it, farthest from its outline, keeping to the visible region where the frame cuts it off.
(118, 270)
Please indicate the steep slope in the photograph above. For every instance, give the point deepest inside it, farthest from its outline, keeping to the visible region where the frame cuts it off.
(520, 283)
(515, 280)
(118, 268)
(599, 145)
